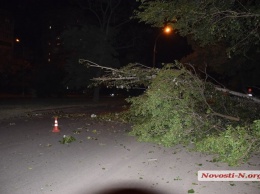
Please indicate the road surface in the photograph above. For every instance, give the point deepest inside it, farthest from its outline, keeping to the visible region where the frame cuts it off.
(103, 157)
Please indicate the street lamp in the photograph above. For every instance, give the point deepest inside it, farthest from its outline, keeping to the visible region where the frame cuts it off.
(166, 30)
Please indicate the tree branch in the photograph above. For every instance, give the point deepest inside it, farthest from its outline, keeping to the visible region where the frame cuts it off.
(226, 116)
(92, 64)
(238, 94)
(89, 7)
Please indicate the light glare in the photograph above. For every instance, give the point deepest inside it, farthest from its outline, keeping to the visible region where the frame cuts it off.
(167, 29)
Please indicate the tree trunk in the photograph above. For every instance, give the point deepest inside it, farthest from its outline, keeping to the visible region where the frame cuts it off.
(238, 94)
(96, 93)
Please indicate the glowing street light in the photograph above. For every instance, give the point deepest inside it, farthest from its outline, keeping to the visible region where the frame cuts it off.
(166, 30)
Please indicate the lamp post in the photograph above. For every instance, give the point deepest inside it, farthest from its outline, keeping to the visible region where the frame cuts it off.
(166, 30)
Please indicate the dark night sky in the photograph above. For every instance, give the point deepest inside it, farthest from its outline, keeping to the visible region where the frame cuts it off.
(28, 16)
(29, 19)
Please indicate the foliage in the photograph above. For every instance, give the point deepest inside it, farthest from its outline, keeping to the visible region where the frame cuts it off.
(236, 73)
(234, 145)
(179, 108)
(168, 112)
(246, 110)
(224, 35)
(256, 128)
(234, 22)
(67, 139)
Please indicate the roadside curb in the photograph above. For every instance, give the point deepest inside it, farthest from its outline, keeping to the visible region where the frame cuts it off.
(58, 110)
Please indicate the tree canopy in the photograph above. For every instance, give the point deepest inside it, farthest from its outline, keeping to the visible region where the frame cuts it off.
(90, 42)
(232, 22)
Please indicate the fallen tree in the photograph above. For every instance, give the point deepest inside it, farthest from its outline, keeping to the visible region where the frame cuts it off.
(178, 107)
(137, 74)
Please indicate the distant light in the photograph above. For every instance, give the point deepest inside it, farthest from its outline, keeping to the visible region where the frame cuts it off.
(249, 92)
(49, 27)
(17, 40)
(49, 60)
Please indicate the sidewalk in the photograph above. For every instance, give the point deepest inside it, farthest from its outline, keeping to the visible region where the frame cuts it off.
(14, 107)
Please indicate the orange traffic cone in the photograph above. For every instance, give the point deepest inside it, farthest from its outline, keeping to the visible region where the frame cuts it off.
(56, 127)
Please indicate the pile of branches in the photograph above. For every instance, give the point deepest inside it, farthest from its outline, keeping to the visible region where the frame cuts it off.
(136, 75)
(178, 107)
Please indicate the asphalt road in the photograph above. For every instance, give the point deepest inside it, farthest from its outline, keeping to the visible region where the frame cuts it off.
(104, 159)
